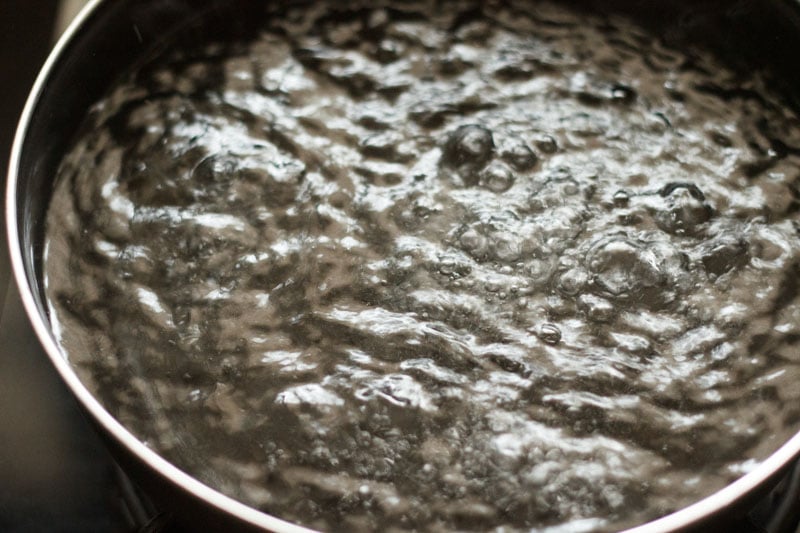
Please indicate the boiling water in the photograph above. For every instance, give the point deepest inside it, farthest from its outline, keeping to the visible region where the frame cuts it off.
(436, 268)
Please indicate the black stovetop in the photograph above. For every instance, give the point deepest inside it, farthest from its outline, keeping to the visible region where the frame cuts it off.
(55, 474)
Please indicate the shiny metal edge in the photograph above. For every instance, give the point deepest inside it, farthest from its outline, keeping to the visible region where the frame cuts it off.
(84, 396)
(726, 497)
(682, 519)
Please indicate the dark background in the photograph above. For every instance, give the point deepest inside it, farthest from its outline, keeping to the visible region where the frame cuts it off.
(55, 476)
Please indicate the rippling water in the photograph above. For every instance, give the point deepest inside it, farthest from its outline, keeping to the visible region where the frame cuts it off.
(438, 268)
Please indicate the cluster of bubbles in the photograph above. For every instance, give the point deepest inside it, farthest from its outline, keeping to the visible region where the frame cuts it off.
(483, 295)
(601, 265)
(470, 151)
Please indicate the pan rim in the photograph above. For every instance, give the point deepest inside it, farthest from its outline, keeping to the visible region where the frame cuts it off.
(684, 518)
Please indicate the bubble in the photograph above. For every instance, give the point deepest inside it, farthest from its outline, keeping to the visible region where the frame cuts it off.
(520, 157)
(471, 239)
(549, 333)
(573, 281)
(623, 267)
(570, 188)
(474, 243)
(621, 198)
(447, 267)
(470, 145)
(497, 177)
(505, 247)
(546, 144)
(622, 93)
(684, 209)
(539, 271)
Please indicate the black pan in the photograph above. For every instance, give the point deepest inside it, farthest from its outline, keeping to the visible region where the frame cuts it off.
(109, 36)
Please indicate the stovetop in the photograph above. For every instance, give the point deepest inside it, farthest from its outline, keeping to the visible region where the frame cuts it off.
(55, 474)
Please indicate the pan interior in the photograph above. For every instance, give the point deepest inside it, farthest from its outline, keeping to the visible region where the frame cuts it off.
(621, 283)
